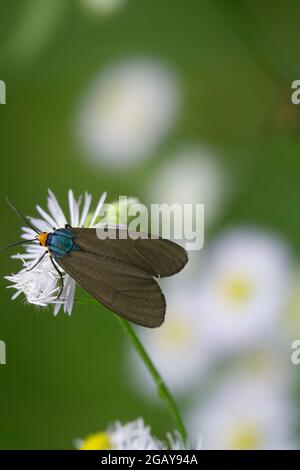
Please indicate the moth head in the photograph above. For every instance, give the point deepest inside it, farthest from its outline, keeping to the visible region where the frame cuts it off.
(42, 238)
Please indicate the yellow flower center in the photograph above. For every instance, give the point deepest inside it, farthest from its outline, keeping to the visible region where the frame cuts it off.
(236, 289)
(176, 332)
(244, 437)
(98, 441)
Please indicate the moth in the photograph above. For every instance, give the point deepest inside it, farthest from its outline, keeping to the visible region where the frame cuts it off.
(119, 269)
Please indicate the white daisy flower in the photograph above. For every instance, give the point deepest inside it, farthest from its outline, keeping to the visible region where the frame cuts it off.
(179, 347)
(192, 176)
(134, 435)
(248, 411)
(102, 7)
(41, 285)
(127, 112)
(244, 288)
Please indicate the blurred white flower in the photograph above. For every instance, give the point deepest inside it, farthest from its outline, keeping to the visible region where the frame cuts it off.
(102, 7)
(291, 322)
(41, 285)
(179, 347)
(243, 288)
(192, 176)
(118, 212)
(248, 411)
(127, 111)
(134, 435)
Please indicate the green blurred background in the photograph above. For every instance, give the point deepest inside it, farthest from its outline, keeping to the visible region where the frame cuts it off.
(236, 61)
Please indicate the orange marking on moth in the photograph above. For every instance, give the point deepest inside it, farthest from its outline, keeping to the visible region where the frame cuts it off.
(42, 238)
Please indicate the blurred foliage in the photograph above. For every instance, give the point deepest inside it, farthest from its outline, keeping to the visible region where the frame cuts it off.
(64, 377)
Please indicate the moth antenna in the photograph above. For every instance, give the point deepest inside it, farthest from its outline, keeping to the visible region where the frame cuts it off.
(21, 216)
(17, 243)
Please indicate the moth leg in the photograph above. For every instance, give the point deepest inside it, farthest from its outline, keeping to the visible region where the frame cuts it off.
(38, 262)
(60, 275)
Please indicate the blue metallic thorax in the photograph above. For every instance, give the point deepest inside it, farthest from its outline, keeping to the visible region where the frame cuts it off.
(61, 242)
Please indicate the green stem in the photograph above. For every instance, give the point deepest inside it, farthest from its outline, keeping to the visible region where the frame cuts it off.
(162, 389)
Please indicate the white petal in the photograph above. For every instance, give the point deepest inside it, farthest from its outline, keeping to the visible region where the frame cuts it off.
(46, 216)
(16, 294)
(28, 233)
(98, 209)
(55, 210)
(69, 301)
(40, 224)
(74, 209)
(86, 208)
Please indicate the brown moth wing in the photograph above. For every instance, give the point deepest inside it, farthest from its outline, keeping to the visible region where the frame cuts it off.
(158, 257)
(127, 290)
